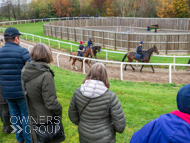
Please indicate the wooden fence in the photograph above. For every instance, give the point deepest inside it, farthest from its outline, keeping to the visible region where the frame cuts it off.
(129, 41)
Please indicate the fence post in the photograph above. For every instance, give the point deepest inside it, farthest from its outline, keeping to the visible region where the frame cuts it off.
(71, 47)
(58, 60)
(188, 45)
(40, 39)
(83, 35)
(121, 69)
(67, 33)
(174, 62)
(170, 73)
(128, 41)
(115, 41)
(59, 44)
(103, 39)
(84, 66)
(166, 44)
(75, 35)
(26, 36)
(106, 55)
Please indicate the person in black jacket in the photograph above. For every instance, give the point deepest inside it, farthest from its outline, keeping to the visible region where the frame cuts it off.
(81, 49)
(139, 50)
(12, 58)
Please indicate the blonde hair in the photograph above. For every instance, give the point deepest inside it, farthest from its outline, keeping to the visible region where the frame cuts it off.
(41, 53)
(98, 72)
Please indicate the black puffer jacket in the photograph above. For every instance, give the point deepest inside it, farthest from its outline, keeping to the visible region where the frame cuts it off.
(103, 116)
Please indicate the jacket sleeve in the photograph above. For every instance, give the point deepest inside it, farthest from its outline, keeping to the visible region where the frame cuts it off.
(73, 112)
(143, 135)
(117, 115)
(49, 95)
(25, 55)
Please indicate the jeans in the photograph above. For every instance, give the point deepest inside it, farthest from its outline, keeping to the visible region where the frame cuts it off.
(19, 118)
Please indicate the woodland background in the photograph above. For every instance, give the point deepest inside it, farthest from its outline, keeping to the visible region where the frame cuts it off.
(28, 9)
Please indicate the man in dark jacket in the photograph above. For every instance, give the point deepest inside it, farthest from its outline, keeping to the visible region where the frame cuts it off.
(12, 59)
(173, 127)
(139, 50)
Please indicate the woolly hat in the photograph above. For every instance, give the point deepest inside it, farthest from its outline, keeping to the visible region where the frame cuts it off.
(183, 99)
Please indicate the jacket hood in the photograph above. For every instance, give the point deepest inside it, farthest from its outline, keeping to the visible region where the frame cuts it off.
(33, 69)
(93, 88)
(170, 124)
(183, 99)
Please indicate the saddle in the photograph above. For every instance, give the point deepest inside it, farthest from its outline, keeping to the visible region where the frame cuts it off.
(138, 56)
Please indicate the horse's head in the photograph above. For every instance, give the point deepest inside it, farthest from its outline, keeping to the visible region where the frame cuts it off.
(155, 50)
(99, 49)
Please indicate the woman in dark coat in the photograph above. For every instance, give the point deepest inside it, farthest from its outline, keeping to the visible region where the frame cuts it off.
(37, 78)
(96, 110)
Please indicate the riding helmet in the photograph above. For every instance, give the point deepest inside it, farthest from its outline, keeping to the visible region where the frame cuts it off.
(81, 42)
(141, 42)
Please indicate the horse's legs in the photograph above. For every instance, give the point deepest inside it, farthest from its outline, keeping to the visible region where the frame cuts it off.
(88, 63)
(95, 56)
(141, 68)
(125, 67)
(152, 68)
(73, 63)
(132, 67)
(81, 65)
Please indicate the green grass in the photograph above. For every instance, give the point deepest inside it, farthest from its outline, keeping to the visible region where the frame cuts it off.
(141, 103)
(37, 29)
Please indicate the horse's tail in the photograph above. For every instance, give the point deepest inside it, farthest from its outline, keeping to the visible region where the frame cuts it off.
(124, 58)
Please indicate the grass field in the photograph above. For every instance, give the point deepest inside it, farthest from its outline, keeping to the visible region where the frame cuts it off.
(141, 102)
(37, 29)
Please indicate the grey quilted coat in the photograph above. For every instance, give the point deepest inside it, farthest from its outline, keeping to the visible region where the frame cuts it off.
(103, 116)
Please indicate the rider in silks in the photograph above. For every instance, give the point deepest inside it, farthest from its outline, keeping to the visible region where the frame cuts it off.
(90, 43)
(139, 50)
(81, 49)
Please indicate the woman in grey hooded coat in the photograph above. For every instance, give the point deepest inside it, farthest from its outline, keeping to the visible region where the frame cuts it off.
(95, 109)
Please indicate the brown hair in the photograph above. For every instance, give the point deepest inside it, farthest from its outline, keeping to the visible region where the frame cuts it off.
(41, 53)
(98, 72)
(10, 38)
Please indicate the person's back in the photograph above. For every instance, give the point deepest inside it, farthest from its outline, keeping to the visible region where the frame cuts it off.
(97, 112)
(12, 59)
(169, 128)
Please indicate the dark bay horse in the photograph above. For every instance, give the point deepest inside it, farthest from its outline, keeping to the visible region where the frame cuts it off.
(86, 54)
(132, 55)
(96, 49)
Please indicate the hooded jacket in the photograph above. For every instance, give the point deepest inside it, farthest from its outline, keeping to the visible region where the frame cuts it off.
(42, 104)
(12, 59)
(169, 128)
(101, 118)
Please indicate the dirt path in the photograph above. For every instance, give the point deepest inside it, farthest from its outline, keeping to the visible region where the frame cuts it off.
(160, 75)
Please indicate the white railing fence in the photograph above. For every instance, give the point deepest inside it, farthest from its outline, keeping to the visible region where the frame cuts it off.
(113, 62)
(76, 45)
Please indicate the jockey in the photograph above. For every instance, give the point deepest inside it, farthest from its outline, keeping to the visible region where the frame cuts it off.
(139, 50)
(81, 49)
(90, 43)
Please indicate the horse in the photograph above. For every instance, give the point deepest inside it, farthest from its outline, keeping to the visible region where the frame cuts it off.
(95, 49)
(132, 55)
(86, 54)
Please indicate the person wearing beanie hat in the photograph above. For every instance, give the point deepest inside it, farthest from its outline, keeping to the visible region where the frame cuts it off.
(140, 51)
(173, 127)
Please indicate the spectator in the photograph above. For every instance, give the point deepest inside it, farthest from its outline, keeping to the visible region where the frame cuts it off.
(173, 127)
(5, 115)
(95, 109)
(12, 58)
(42, 103)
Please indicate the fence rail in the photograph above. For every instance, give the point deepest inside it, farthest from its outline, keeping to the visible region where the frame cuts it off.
(117, 40)
(107, 51)
(113, 62)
